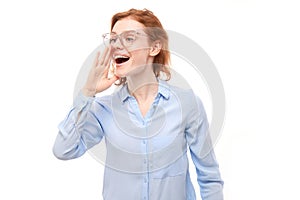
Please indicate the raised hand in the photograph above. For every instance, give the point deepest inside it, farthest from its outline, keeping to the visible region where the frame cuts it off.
(98, 79)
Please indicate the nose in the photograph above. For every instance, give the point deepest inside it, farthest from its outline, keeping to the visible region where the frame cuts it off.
(118, 44)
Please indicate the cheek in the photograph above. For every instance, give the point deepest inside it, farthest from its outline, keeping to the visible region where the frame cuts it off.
(140, 56)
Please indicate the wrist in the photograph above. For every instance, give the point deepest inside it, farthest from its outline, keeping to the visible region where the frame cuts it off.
(88, 93)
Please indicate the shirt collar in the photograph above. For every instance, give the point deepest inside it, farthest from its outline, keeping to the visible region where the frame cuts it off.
(163, 90)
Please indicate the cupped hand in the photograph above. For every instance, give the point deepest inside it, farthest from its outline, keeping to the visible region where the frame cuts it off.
(98, 79)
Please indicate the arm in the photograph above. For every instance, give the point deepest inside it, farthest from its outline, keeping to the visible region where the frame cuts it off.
(202, 154)
(79, 131)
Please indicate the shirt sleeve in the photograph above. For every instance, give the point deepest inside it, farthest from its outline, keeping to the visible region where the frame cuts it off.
(79, 131)
(202, 154)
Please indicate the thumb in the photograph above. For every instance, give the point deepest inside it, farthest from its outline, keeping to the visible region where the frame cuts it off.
(113, 79)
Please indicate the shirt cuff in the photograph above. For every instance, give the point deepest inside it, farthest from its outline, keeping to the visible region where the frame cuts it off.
(81, 101)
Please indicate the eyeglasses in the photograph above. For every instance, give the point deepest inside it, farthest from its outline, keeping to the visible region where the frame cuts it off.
(126, 38)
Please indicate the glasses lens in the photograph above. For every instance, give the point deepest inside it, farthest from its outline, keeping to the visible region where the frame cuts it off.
(105, 39)
(109, 39)
(128, 38)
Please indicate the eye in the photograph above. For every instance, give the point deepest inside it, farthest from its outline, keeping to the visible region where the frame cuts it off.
(129, 38)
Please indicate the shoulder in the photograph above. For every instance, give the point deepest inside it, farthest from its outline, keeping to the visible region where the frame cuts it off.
(189, 101)
(103, 101)
(183, 94)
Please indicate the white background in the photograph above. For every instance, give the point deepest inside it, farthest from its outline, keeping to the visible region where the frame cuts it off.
(254, 45)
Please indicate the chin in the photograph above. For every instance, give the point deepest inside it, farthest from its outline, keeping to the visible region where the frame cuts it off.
(120, 74)
(121, 70)
(126, 69)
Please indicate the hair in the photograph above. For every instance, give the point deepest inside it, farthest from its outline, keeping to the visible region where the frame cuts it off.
(155, 31)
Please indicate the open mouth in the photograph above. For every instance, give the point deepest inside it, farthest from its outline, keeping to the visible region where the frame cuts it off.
(121, 59)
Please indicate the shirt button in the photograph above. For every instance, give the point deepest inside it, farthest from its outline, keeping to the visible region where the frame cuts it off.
(144, 141)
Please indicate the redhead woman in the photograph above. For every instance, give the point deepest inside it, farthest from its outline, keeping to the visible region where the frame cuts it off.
(149, 126)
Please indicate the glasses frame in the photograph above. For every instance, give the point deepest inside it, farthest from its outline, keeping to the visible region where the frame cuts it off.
(107, 37)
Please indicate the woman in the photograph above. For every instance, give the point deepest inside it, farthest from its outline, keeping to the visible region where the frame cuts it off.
(147, 124)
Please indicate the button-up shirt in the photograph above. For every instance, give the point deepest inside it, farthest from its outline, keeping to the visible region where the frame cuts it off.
(145, 156)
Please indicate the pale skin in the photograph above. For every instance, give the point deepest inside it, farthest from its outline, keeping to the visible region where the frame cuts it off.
(142, 83)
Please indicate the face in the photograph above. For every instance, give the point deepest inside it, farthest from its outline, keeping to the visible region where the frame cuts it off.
(131, 55)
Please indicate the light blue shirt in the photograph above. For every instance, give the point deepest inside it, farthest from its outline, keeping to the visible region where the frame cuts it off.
(146, 156)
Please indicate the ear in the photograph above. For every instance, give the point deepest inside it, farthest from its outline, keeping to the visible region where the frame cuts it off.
(155, 48)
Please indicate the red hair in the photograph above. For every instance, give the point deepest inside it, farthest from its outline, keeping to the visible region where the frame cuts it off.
(155, 32)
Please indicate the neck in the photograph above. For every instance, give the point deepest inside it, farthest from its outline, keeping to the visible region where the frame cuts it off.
(143, 87)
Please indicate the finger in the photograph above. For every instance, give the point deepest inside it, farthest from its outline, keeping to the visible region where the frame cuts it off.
(108, 57)
(113, 79)
(106, 71)
(96, 59)
(102, 58)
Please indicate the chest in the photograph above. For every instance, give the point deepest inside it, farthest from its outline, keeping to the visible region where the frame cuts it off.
(138, 127)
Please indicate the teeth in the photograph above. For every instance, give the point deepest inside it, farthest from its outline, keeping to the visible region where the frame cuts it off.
(120, 56)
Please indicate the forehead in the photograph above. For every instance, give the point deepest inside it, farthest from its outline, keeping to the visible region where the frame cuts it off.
(126, 24)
